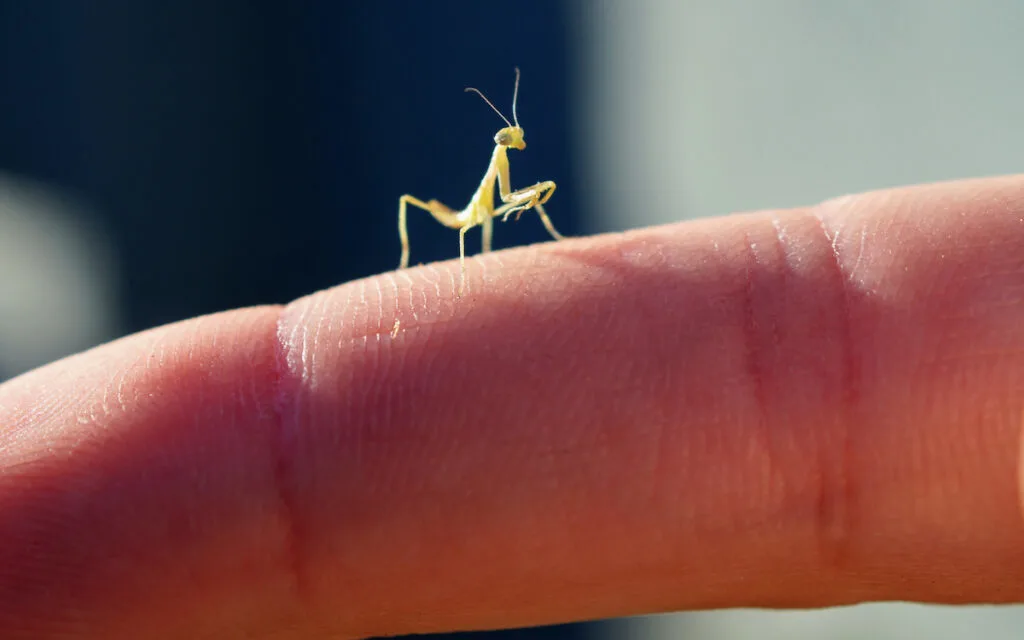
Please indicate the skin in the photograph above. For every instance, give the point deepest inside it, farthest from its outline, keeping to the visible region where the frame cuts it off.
(781, 409)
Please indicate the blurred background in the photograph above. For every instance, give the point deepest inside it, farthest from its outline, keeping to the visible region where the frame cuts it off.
(160, 160)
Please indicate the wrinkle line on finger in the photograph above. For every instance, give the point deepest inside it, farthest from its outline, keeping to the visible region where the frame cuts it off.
(283, 461)
(838, 494)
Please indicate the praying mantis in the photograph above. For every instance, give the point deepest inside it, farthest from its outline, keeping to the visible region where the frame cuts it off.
(481, 210)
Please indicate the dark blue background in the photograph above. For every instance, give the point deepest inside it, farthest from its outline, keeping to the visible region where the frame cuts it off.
(251, 152)
(243, 153)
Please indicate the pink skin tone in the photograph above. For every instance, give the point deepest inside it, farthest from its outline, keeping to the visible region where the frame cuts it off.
(786, 408)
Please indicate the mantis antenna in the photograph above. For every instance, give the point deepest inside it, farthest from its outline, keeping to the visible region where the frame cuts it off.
(515, 97)
(491, 104)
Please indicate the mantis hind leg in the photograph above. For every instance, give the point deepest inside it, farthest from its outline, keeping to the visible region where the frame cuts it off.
(441, 212)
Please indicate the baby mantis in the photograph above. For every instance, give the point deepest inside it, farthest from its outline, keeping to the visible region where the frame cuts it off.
(481, 211)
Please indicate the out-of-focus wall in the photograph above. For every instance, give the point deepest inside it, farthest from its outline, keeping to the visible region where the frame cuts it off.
(57, 276)
(704, 107)
(874, 622)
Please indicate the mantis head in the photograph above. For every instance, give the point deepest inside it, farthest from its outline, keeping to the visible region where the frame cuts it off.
(511, 137)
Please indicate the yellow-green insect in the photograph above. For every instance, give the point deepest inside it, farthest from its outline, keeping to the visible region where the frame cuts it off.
(481, 210)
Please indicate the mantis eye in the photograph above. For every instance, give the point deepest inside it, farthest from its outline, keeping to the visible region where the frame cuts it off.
(503, 138)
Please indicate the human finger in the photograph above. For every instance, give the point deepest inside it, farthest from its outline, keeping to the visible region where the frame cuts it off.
(786, 408)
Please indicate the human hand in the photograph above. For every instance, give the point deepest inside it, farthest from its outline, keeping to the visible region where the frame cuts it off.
(784, 409)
